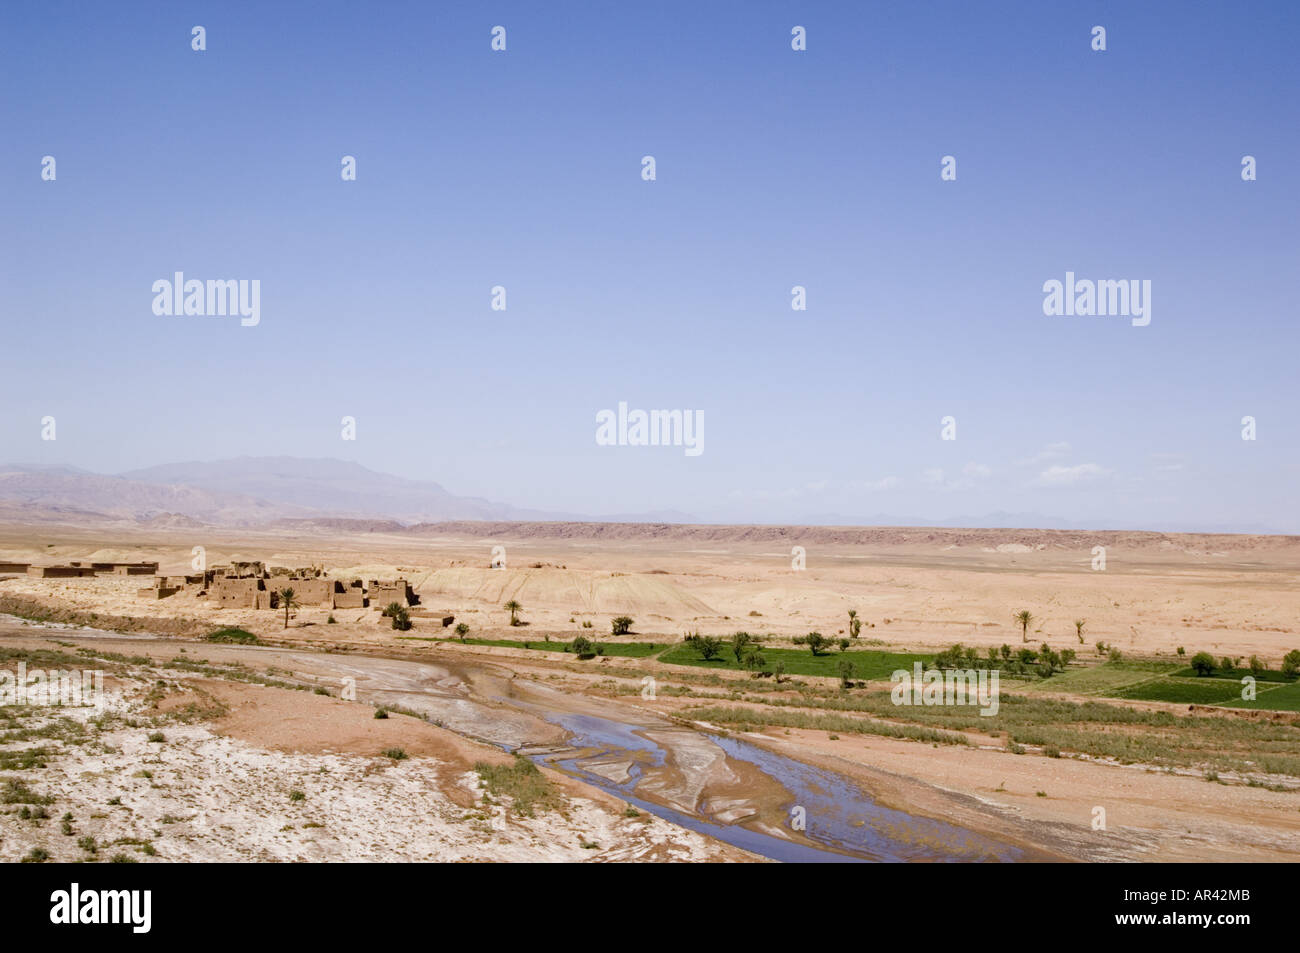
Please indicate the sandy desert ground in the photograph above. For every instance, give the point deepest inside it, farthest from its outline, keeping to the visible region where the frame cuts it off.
(915, 590)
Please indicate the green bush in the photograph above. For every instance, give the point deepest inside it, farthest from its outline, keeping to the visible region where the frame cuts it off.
(236, 636)
(814, 640)
(709, 646)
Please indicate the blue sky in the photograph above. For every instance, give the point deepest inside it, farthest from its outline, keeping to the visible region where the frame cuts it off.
(774, 169)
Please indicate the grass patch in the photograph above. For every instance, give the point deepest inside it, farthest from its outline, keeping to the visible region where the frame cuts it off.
(1236, 674)
(611, 649)
(1186, 691)
(868, 664)
(748, 719)
(233, 636)
(1281, 698)
(1103, 679)
(521, 781)
(17, 792)
(1092, 727)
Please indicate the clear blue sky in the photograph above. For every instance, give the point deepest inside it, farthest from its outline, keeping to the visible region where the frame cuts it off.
(775, 168)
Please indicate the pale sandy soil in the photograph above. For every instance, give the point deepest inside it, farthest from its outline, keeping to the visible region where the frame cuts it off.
(1227, 595)
(220, 791)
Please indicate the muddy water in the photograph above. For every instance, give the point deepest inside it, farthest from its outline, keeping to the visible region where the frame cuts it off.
(719, 785)
(840, 822)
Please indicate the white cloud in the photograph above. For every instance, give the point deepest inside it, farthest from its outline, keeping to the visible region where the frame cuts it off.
(970, 473)
(1167, 463)
(1053, 451)
(1068, 476)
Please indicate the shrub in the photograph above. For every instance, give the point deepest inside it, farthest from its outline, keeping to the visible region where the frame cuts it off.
(401, 620)
(814, 640)
(296, 795)
(236, 636)
(1203, 663)
(381, 712)
(396, 754)
(1291, 663)
(583, 647)
(462, 630)
(157, 737)
(523, 782)
(709, 646)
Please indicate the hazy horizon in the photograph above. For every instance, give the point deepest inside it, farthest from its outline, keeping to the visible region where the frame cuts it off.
(507, 511)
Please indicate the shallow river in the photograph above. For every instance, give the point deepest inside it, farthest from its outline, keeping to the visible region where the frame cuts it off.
(719, 785)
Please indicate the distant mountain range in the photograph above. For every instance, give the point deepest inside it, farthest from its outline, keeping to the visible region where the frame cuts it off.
(250, 491)
(258, 491)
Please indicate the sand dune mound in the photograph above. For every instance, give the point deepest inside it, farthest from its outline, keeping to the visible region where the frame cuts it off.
(566, 589)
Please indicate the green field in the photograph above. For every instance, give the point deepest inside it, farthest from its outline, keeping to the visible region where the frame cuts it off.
(1105, 679)
(611, 649)
(1187, 691)
(867, 664)
(1280, 698)
(1237, 674)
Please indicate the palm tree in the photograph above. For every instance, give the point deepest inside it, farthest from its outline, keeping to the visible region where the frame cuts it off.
(286, 599)
(1078, 628)
(514, 608)
(1025, 618)
(855, 625)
